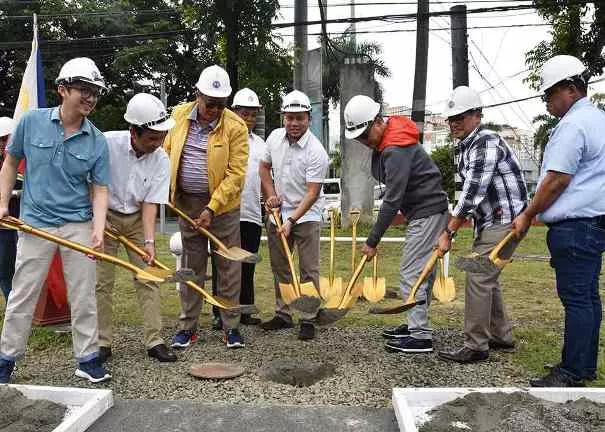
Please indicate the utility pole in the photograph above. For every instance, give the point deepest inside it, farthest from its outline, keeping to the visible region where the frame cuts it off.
(164, 99)
(231, 17)
(300, 44)
(420, 73)
(459, 46)
(353, 26)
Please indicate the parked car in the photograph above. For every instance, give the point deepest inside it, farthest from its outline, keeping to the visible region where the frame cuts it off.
(332, 196)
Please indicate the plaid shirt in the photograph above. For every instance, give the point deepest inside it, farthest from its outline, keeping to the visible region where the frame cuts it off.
(494, 190)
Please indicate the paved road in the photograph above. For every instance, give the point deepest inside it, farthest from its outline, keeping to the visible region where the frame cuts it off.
(189, 416)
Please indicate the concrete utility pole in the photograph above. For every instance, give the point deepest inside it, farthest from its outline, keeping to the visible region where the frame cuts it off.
(422, 54)
(164, 99)
(353, 26)
(459, 46)
(300, 44)
(231, 18)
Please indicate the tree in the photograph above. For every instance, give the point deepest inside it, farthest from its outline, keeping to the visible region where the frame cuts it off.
(599, 100)
(443, 157)
(545, 123)
(570, 35)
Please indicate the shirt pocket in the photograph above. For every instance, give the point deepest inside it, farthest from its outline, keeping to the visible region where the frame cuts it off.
(77, 162)
(41, 152)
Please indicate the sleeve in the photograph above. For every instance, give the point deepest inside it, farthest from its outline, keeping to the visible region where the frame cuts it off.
(318, 165)
(159, 191)
(565, 149)
(230, 188)
(397, 168)
(99, 174)
(483, 158)
(266, 157)
(16, 146)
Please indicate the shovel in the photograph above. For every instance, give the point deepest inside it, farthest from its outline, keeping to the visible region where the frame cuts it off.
(233, 253)
(444, 288)
(354, 215)
(374, 288)
(331, 286)
(411, 301)
(153, 275)
(301, 296)
(337, 307)
(476, 263)
(220, 302)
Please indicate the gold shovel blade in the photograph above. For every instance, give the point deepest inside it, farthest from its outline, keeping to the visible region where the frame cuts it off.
(238, 254)
(288, 293)
(374, 290)
(329, 290)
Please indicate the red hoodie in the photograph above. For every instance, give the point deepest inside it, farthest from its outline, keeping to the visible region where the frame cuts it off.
(400, 132)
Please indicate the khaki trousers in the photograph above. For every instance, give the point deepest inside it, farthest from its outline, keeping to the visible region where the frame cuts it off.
(34, 256)
(306, 238)
(148, 294)
(484, 314)
(226, 228)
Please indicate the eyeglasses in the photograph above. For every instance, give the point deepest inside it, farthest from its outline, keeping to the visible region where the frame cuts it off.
(87, 92)
(549, 92)
(212, 103)
(366, 133)
(457, 118)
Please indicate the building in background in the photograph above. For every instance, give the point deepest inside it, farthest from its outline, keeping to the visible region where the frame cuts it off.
(436, 130)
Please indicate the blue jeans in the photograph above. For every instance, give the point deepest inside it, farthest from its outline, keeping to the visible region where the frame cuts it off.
(8, 253)
(576, 246)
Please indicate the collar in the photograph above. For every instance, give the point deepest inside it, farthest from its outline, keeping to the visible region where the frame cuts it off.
(193, 117)
(302, 141)
(56, 116)
(463, 143)
(582, 102)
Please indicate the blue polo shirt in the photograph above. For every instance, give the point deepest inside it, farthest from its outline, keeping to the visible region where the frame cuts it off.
(577, 147)
(58, 171)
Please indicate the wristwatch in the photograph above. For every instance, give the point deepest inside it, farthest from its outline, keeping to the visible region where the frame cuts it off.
(149, 242)
(292, 220)
(451, 234)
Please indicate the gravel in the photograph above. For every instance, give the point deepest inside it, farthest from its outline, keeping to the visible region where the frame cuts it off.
(365, 372)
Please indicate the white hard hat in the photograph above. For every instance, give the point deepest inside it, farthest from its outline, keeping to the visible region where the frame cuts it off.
(148, 111)
(359, 113)
(176, 244)
(81, 69)
(463, 99)
(296, 101)
(7, 125)
(214, 82)
(559, 68)
(246, 98)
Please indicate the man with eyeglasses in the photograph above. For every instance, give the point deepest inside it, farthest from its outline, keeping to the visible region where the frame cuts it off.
(413, 186)
(66, 159)
(139, 181)
(493, 194)
(8, 237)
(570, 200)
(208, 150)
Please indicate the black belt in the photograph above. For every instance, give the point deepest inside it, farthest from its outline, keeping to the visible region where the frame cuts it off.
(596, 220)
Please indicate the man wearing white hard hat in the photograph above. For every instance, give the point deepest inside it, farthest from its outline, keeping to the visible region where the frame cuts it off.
(8, 237)
(246, 105)
(413, 186)
(299, 164)
(139, 181)
(570, 200)
(493, 194)
(208, 150)
(66, 157)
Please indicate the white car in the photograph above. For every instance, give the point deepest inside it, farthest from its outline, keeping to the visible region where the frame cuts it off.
(331, 194)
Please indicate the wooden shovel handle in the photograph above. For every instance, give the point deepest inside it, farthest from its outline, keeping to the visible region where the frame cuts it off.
(332, 245)
(494, 254)
(428, 267)
(284, 242)
(219, 244)
(375, 268)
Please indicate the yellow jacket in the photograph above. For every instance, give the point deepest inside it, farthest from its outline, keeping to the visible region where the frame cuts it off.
(227, 156)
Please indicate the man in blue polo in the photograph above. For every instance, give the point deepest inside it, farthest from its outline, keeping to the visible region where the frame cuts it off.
(66, 158)
(570, 200)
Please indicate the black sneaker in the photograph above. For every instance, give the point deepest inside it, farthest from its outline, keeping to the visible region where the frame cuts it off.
(508, 347)
(307, 331)
(276, 323)
(589, 375)
(104, 354)
(396, 332)
(556, 378)
(409, 345)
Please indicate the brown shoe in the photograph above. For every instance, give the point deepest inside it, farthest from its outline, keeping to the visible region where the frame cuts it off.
(464, 355)
(162, 353)
(508, 347)
(307, 331)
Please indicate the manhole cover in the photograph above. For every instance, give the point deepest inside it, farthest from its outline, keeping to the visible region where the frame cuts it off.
(296, 373)
(216, 370)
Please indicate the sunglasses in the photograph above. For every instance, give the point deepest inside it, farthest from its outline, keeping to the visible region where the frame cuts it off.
(211, 103)
(87, 92)
(366, 133)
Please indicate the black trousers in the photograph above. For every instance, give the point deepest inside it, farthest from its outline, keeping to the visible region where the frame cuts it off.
(250, 239)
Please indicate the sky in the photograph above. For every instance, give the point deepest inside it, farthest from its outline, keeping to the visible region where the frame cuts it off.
(499, 54)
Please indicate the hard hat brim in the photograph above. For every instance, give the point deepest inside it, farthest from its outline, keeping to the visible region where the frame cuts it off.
(354, 133)
(240, 105)
(215, 93)
(164, 126)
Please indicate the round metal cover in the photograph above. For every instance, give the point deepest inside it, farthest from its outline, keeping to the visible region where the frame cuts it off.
(216, 370)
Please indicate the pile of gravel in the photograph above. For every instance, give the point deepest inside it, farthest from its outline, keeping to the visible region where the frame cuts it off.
(364, 372)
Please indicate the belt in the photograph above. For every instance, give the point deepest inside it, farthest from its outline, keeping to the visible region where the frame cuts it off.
(596, 220)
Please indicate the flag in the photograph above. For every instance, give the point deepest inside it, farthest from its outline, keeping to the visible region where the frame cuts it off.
(32, 93)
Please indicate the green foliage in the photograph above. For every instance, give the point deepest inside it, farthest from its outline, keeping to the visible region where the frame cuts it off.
(444, 158)
(570, 35)
(599, 100)
(545, 124)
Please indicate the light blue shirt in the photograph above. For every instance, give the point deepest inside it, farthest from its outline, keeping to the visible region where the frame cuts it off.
(58, 171)
(577, 147)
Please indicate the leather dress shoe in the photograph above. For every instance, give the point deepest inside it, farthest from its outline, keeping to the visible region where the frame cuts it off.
(162, 353)
(464, 355)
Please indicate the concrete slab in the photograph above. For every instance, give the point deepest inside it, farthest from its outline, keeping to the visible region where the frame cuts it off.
(189, 416)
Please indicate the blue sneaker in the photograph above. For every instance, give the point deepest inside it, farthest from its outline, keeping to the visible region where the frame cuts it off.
(184, 338)
(93, 371)
(233, 339)
(6, 370)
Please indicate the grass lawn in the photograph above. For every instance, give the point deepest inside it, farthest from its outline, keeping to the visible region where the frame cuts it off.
(528, 288)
